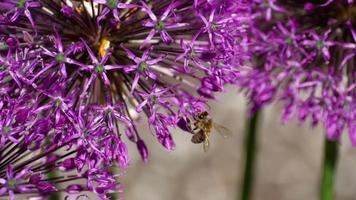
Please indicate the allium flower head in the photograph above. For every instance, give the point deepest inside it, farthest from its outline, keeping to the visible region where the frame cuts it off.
(305, 57)
(76, 75)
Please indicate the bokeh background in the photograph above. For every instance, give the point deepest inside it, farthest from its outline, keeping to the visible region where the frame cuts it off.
(288, 161)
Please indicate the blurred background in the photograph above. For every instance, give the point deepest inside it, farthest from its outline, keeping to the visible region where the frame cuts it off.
(288, 161)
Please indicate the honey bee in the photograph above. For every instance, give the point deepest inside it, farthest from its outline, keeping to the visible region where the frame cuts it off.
(203, 127)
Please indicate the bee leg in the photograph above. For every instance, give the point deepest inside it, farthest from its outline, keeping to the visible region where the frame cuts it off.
(206, 145)
(206, 134)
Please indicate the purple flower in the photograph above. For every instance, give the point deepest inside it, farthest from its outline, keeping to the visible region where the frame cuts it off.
(14, 182)
(59, 58)
(141, 146)
(303, 55)
(67, 11)
(112, 6)
(189, 54)
(75, 77)
(159, 25)
(15, 8)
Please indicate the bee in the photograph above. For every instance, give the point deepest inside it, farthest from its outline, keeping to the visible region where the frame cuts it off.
(203, 127)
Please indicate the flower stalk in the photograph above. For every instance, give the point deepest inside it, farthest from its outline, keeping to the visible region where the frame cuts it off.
(54, 195)
(250, 149)
(331, 151)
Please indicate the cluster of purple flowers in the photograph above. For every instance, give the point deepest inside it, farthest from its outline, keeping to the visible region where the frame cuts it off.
(305, 57)
(76, 74)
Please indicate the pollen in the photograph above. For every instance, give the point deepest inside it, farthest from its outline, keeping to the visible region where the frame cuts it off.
(143, 66)
(21, 3)
(160, 25)
(60, 57)
(6, 130)
(99, 68)
(112, 3)
(103, 47)
(12, 183)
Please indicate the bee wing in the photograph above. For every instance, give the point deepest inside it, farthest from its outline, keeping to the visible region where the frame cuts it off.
(206, 145)
(225, 132)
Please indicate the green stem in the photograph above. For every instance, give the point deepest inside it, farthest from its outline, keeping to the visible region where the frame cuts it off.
(54, 195)
(113, 196)
(114, 170)
(250, 156)
(329, 169)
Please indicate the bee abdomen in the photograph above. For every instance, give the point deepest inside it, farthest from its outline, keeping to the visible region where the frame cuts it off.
(198, 138)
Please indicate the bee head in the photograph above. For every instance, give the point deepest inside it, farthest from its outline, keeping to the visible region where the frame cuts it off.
(202, 115)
